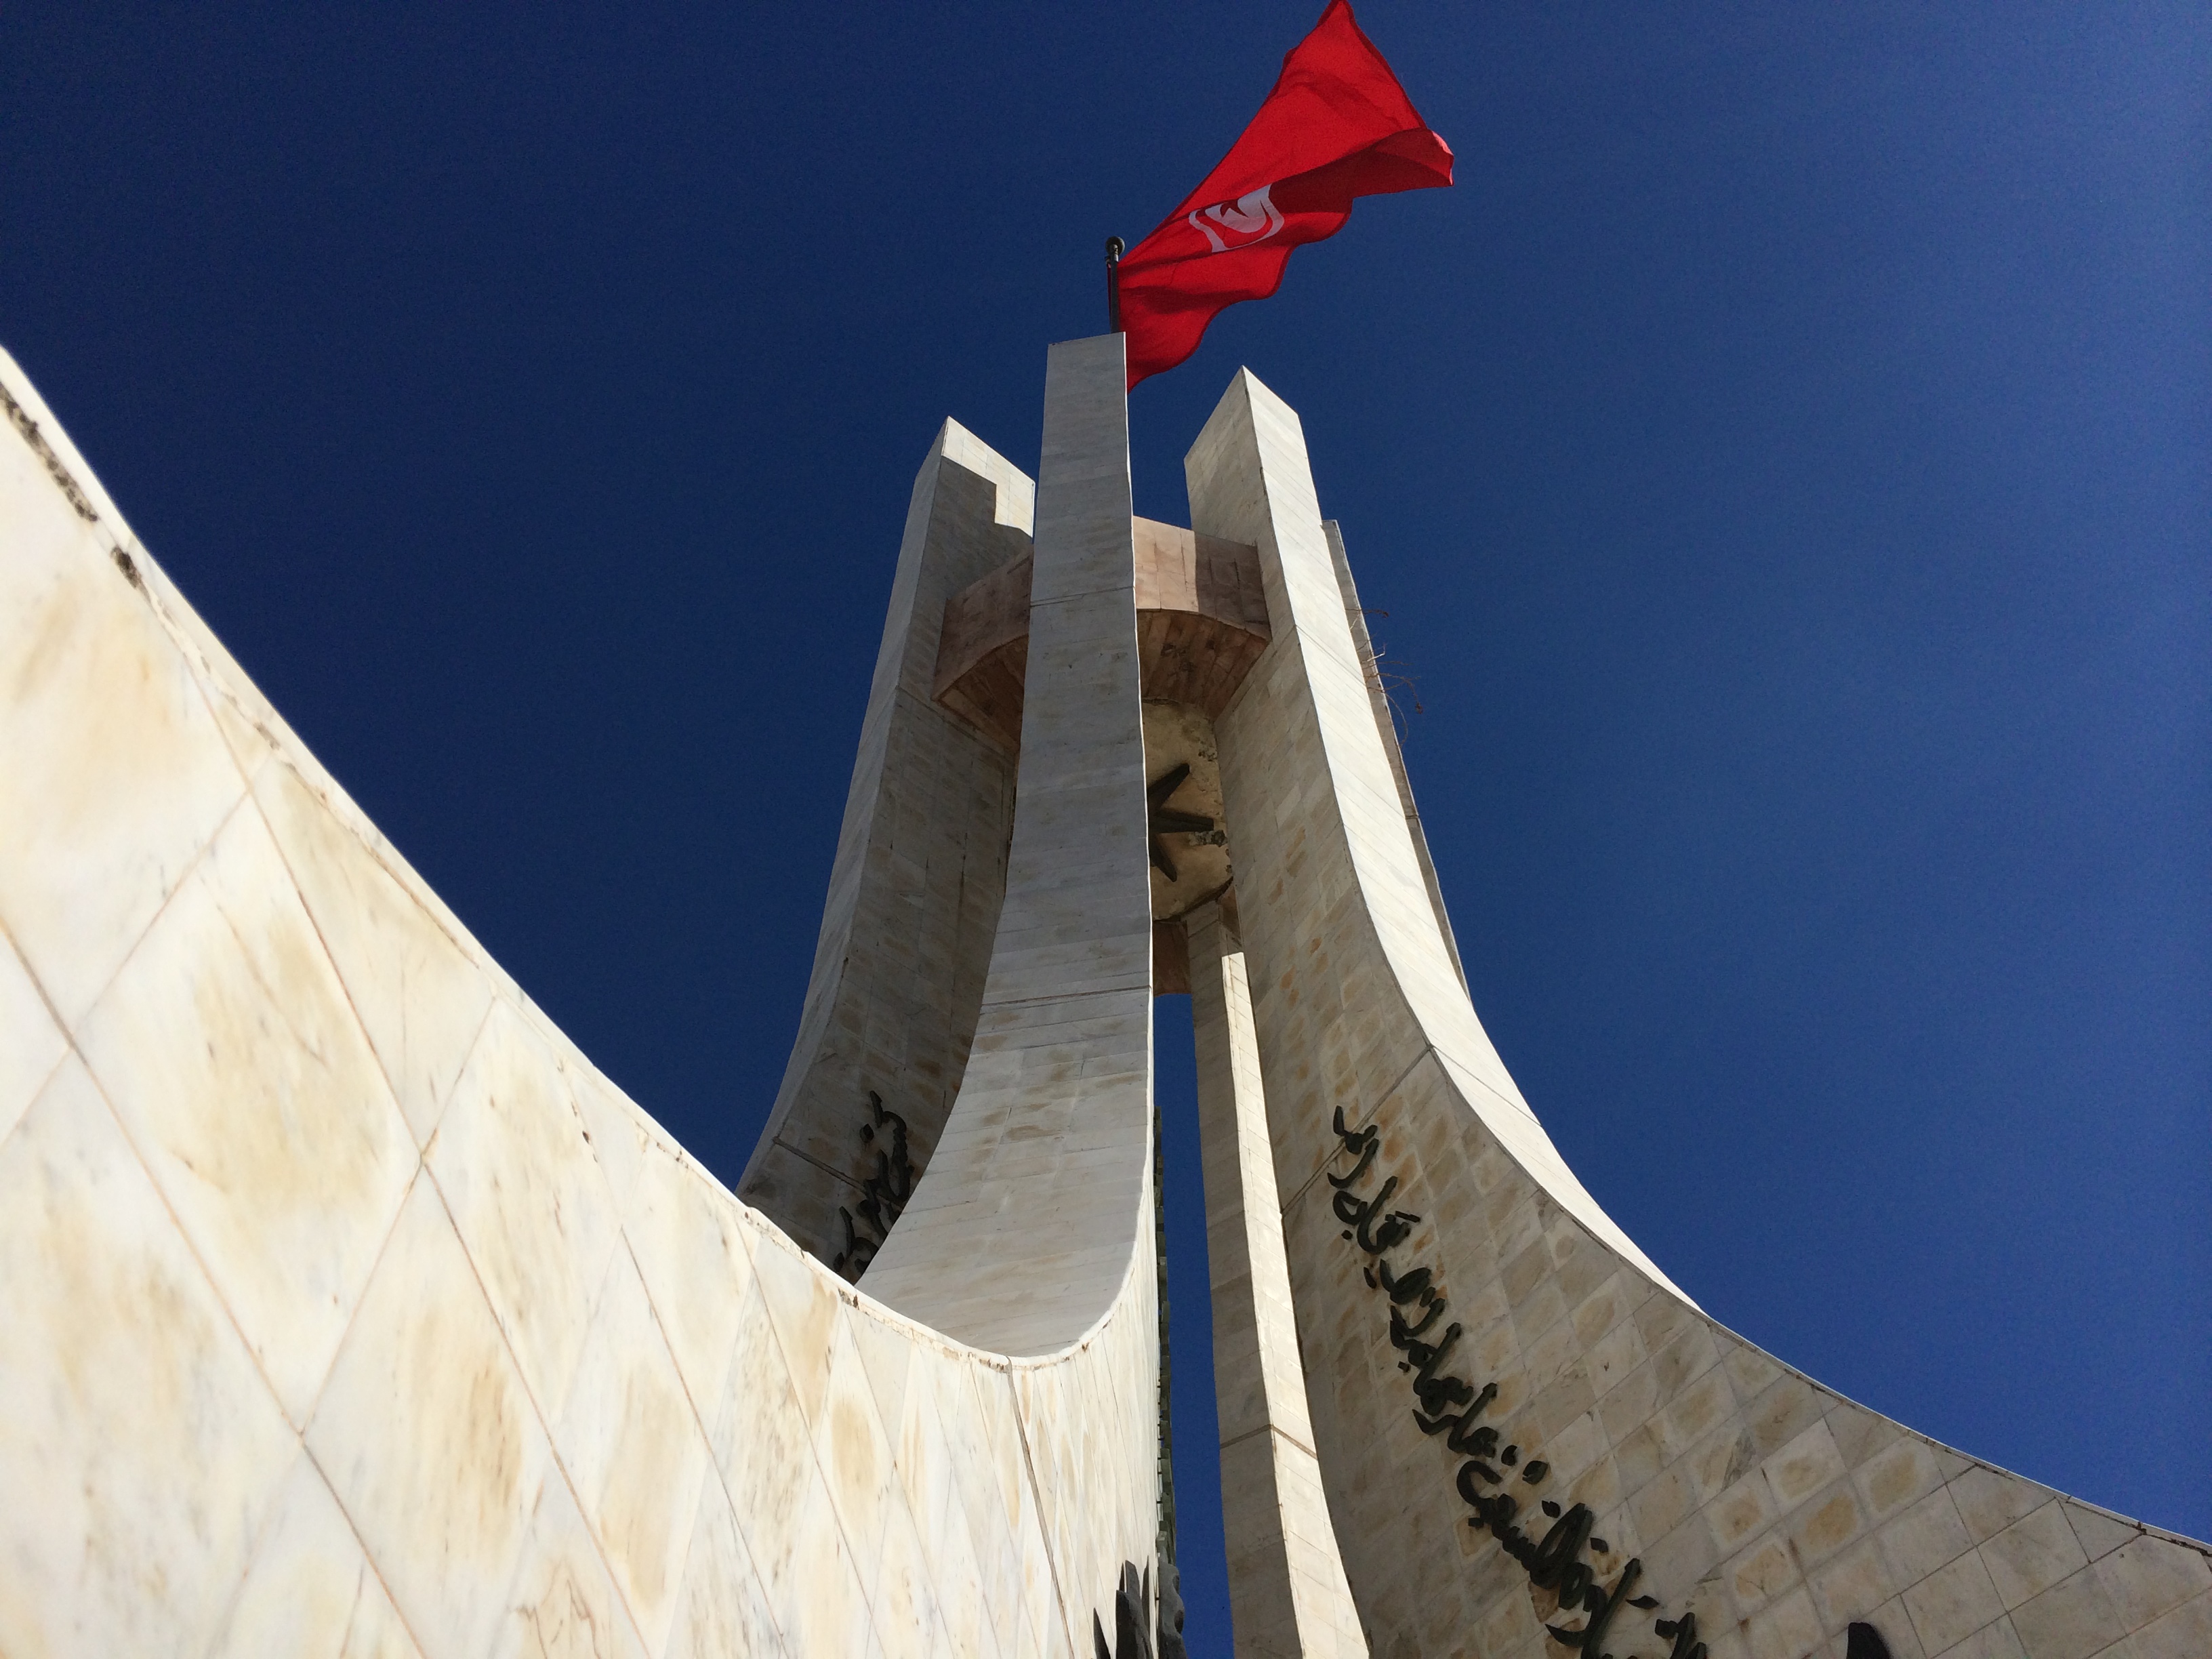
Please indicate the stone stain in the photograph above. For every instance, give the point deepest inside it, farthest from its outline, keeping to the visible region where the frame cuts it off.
(565, 1626)
(285, 1130)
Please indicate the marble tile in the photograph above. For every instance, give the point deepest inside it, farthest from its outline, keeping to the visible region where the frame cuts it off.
(854, 1452)
(2034, 1554)
(418, 995)
(2100, 1534)
(2072, 1619)
(232, 1056)
(821, 1604)
(140, 1450)
(562, 1603)
(429, 1438)
(691, 1246)
(2148, 1577)
(528, 1199)
(1952, 1603)
(803, 1307)
(1807, 1463)
(621, 1134)
(901, 1600)
(764, 1444)
(112, 773)
(311, 1593)
(1997, 1640)
(722, 1609)
(633, 1449)
(2185, 1632)
(31, 1044)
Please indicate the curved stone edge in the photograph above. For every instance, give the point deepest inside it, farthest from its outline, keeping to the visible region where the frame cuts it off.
(915, 886)
(1033, 1221)
(1776, 1510)
(349, 1303)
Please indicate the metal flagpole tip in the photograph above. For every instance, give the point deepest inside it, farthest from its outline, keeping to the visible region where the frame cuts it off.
(1115, 247)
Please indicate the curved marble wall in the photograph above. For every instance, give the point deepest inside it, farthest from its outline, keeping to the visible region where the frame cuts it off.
(1525, 1326)
(349, 1310)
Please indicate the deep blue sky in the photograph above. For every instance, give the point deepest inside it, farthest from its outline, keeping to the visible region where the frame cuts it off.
(1782, 458)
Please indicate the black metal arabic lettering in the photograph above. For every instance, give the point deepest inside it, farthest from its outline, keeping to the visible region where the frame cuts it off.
(883, 1194)
(1450, 1406)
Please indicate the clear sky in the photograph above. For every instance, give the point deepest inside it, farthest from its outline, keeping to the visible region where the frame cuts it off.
(1781, 459)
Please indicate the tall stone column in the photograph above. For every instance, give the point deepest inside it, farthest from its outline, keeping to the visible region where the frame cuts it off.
(1020, 1235)
(1287, 1593)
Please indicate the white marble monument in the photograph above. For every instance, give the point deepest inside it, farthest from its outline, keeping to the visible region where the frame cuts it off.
(346, 1309)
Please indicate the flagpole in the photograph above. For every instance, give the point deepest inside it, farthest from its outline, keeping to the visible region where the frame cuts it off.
(1114, 250)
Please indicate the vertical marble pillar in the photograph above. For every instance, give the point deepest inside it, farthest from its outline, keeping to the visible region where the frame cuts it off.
(1287, 1593)
(1023, 1231)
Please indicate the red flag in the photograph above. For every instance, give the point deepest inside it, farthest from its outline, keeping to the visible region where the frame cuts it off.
(1337, 125)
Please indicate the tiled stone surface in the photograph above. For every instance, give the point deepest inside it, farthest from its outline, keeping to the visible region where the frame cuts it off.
(140, 1450)
(230, 1052)
(311, 1591)
(1774, 1510)
(350, 1312)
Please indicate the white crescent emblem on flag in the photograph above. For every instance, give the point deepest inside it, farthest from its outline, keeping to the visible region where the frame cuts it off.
(1239, 219)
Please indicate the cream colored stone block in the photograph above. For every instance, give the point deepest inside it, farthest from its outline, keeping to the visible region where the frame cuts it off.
(2184, 1633)
(528, 1199)
(622, 1135)
(2100, 1534)
(2148, 1577)
(1850, 1587)
(1990, 1500)
(1761, 1573)
(229, 1051)
(419, 997)
(1893, 1478)
(722, 1610)
(311, 1593)
(691, 1249)
(854, 1452)
(112, 773)
(763, 1443)
(961, 1584)
(31, 1044)
(900, 1596)
(1992, 1641)
(1895, 1625)
(2072, 1619)
(1787, 1630)
(821, 1604)
(1927, 1536)
(562, 1603)
(139, 1448)
(1826, 1524)
(888, 1359)
(803, 1307)
(1741, 1511)
(1952, 1603)
(2031, 1555)
(633, 1449)
(428, 1439)
(1803, 1466)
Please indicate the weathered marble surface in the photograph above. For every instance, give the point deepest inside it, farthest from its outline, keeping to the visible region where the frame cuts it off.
(350, 1312)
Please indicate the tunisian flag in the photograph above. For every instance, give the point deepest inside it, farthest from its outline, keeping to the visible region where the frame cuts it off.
(1337, 125)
